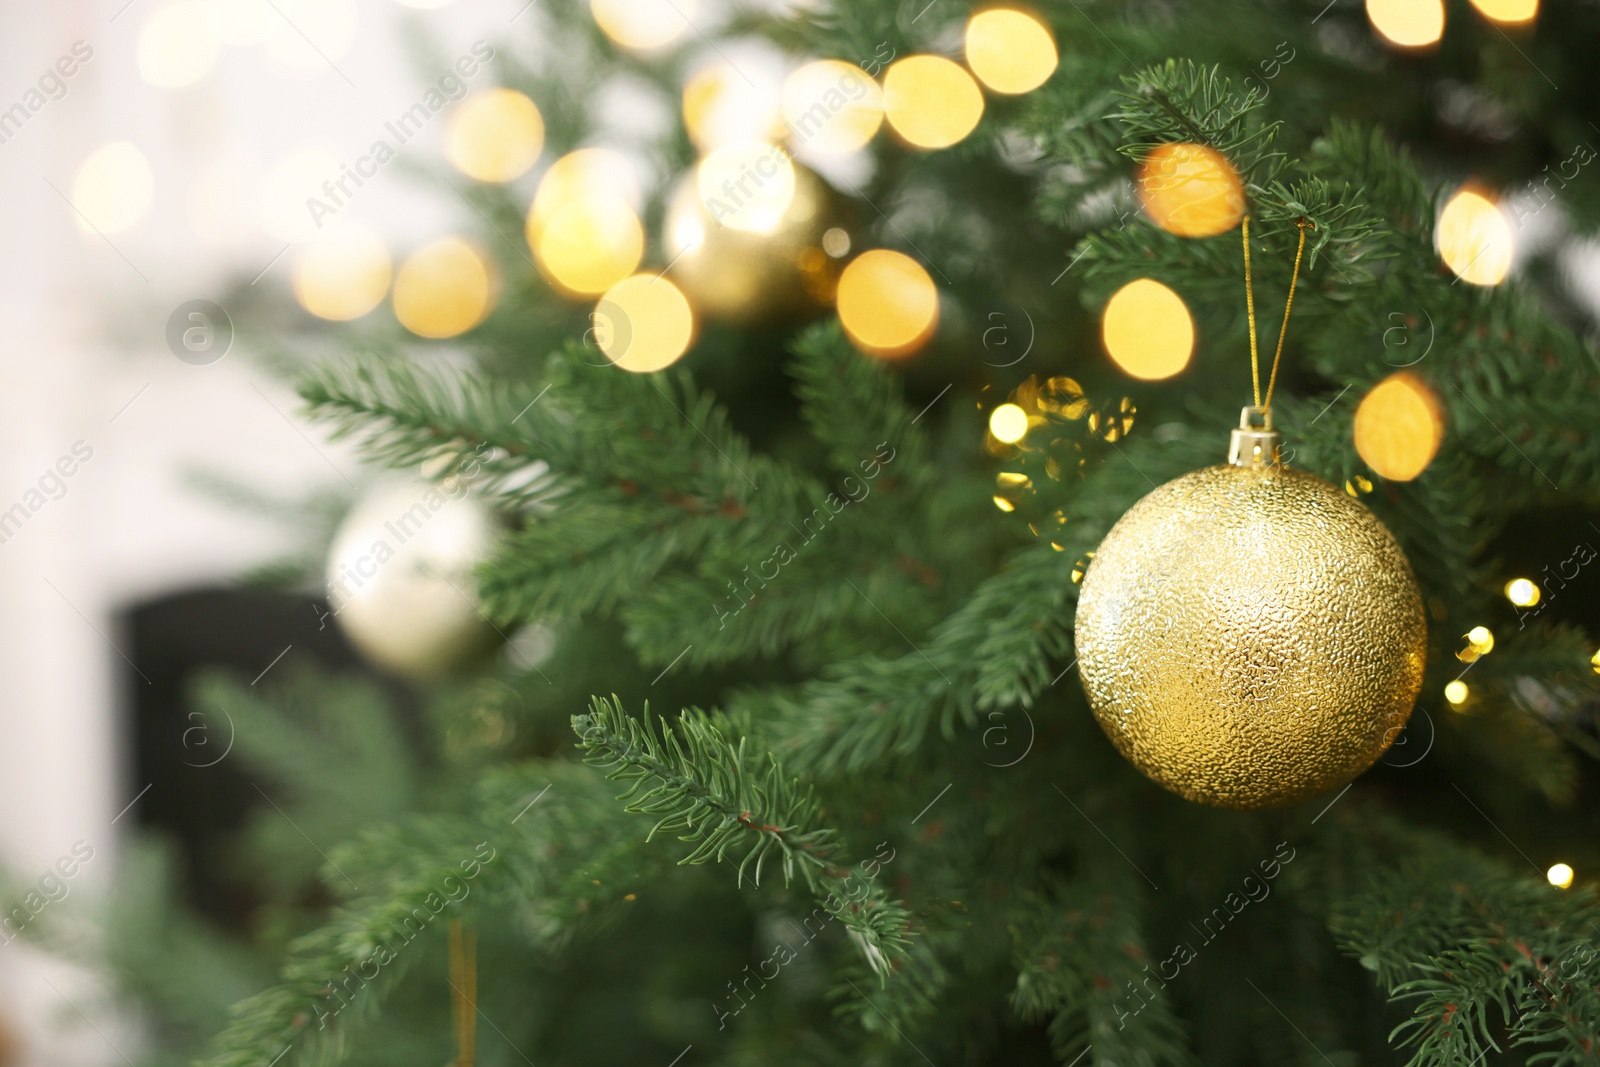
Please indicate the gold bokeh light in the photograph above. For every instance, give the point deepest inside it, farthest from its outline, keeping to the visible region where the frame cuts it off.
(1008, 423)
(179, 43)
(831, 106)
(887, 303)
(113, 188)
(1191, 190)
(1474, 238)
(931, 101)
(1398, 427)
(1010, 51)
(1481, 640)
(643, 323)
(1510, 12)
(747, 185)
(443, 289)
(590, 244)
(495, 135)
(643, 25)
(1147, 330)
(1456, 692)
(585, 172)
(1408, 23)
(1522, 593)
(1560, 875)
(582, 225)
(343, 274)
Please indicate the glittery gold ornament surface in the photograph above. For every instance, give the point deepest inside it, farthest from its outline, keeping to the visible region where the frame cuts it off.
(1250, 637)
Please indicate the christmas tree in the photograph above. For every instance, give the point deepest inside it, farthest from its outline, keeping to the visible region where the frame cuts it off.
(801, 514)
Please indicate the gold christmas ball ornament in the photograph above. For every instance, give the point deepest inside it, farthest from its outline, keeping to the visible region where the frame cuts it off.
(1248, 635)
(400, 581)
(748, 275)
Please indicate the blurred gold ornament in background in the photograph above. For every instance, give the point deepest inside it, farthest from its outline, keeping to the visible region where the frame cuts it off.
(1474, 238)
(745, 276)
(400, 576)
(930, 101)
(343, 274)
(1010, 51)
(1147, 330)
(443, 289)
(747, 185)
(494, 136)
(1408, 23)
(831, 106)
(1398, 427)
(1191, 190)
(1249, 636)
(643, 25)
(643, 323)
(887, 303)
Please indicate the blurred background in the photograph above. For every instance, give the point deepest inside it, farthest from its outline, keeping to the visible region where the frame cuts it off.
(191, 199)
(169, 162)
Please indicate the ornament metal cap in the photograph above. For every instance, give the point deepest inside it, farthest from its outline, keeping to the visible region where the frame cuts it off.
(1255, 443)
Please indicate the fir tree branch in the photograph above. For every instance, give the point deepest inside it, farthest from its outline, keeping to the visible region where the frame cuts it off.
(703, 788)
(1081, 963)
(1469, 945)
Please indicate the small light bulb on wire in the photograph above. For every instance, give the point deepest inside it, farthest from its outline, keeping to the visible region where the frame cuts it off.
(1522, 593)
(1008, 423)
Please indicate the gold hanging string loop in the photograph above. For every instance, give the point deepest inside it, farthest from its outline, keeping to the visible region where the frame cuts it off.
(464, 991)
(1294, 279)
(1250, 304)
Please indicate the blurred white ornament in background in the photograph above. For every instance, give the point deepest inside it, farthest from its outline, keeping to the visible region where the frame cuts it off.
(747, 185)
(400, 577)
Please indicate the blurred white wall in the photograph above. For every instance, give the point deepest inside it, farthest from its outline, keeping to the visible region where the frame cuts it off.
(84, 358)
